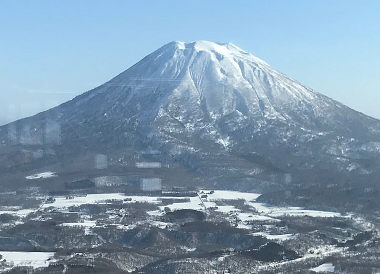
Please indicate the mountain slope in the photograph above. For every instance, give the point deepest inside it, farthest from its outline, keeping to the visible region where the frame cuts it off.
(207, 81)
(216, 110)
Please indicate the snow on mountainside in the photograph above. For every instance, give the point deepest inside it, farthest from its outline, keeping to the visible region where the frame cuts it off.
(201, 82)
(186, 93)
(210, 106)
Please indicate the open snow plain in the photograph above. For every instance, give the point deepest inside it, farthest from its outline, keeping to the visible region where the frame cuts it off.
(205, 201)
(140, 231)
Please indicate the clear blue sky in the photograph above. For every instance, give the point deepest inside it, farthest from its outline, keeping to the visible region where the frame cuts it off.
(51, 51)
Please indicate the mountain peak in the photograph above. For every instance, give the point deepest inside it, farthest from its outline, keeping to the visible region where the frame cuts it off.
(203, 45)
(204, 100)
(214, 48)
(201, 82)
(205, 86)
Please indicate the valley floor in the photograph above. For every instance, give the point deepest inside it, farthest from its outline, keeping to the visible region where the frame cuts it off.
(180, 231)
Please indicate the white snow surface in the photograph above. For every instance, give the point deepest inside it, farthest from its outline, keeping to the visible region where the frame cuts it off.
(266, 212)
(279, 237)
(221, 201)
(189, 83)
(260, 211)
(230, 195)
(183, 89)
(224, 78)
(33, 259)
(20, 212)
(194, 203)
(85, 224)
(274, 211)
(65, 202)
(328, 267)
(42, 175)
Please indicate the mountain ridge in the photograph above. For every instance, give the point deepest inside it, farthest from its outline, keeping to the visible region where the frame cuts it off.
(173, 78)
(216, 110)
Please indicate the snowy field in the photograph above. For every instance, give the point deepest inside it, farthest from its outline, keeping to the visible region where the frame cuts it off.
(230, 195)
(206, 201)
(18, 212)
(85, 223)
(32, 259)
(265, 211)
(66, 202)
(42, 175)
(328, 267)
(239, 208)
(273, 211)
(279, 237)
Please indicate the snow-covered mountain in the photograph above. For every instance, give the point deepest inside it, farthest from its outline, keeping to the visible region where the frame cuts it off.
(200, 83)
(211, 107)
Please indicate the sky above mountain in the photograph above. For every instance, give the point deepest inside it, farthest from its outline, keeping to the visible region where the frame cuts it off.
(52, 51)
